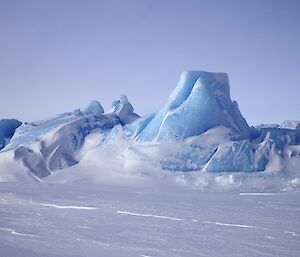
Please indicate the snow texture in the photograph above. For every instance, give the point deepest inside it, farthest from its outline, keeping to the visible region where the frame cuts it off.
(79, 220)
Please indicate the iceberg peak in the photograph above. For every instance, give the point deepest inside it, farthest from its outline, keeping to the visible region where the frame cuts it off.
(200, 101)
(93, 108)
(124, 110)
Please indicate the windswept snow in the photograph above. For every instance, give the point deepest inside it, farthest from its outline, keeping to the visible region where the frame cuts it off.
(228, 224)
(258, 193)
(178, 219)
(69, 207)
(291, 233)
(162, 220)
(148, 215)
(13, 232)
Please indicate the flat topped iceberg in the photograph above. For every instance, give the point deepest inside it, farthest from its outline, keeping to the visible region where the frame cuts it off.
(200, 102)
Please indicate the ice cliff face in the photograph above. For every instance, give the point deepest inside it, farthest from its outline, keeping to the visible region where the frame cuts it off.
(200, 128)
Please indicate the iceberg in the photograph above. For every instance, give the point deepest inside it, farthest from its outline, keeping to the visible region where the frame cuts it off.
(200, 128)
(290, 124)
(7, 130)
(201, 107)
(93, 108)
(200, 102)
(60, 142)
(124, 110)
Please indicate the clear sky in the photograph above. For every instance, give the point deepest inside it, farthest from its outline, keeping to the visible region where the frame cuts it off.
(57, 55)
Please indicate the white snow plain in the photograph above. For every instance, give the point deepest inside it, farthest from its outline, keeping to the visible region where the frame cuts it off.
(167, 220)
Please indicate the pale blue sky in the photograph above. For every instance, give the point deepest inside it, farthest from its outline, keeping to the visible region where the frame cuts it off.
(58, 55)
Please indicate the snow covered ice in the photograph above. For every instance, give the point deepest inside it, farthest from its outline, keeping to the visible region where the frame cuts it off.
(79, 220)
(192, 179)
(199, 129)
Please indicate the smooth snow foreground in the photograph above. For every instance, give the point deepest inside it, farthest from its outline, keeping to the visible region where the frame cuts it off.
(73, 220)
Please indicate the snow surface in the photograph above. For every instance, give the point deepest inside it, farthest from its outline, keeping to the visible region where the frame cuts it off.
(51, 220)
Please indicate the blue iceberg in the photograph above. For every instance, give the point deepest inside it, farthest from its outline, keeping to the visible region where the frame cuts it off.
(200, 102)
(200, 128)
(7, 130)
(93, 108)
(56, 143)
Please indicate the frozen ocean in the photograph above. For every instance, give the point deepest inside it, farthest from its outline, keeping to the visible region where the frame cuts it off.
(192, 179)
